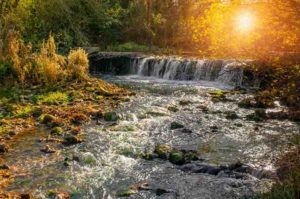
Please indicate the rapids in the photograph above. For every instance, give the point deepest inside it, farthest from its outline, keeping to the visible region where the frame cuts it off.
(108, 162)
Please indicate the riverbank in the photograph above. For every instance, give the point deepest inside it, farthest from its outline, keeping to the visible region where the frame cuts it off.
(59, 111)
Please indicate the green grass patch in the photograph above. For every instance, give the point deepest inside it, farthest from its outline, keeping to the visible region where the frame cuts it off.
(53, 98)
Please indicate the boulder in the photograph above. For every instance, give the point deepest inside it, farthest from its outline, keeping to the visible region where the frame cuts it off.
(48, 119)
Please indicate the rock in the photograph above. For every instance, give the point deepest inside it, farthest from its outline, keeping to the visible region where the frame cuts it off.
(148, 156)
(58, 195)
(240, 89)
(111, 117)
(26, 196)
(79, 119)
(258, 116)
(162, 150)
(247, 103)
(203, 108)
(4, 167)
(48, 119)
(173, 108)
(71, 140)
(176, 157)
(185, 130)
(160, 191)
(231, 115)
(47, 149)
(214, 128)
(127, 193)
(185, 102)
(176, 125)
(37, 112)
(3, 148)
(97, 114)
(57, 131)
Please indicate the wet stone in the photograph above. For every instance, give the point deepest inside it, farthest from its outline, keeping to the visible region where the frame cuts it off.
(3, 148)
(111, 117)
(176, 125)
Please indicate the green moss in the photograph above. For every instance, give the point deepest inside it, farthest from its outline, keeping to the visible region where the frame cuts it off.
(127, 193)
(111, 116)
(163, 150)
(57, 131)
(53, 98)
(46, 119)
(176, 157)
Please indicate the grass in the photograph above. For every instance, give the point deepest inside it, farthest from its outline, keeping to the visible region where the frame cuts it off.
(52, 98)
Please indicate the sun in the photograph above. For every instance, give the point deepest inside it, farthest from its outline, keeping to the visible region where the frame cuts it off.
(245, 22)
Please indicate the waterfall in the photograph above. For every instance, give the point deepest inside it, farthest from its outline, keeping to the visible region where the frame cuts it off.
(170, 68)
(227, 71)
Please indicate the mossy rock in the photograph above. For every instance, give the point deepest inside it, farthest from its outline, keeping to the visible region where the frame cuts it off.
(127, 193)
(231, 115)
(37, 112)
(162, 150)
(3, 148)
(57, 131)
(147, 156)
(173, 108)
(176, 125)
(71, 140)
(48, 119)
(191, 156)
(177, 157)
(111, 117)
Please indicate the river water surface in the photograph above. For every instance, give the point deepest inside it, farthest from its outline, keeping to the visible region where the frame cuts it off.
(108, 163)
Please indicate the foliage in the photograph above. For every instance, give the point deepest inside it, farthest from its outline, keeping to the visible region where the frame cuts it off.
(78, 63)
(44, 67)
(128, 47)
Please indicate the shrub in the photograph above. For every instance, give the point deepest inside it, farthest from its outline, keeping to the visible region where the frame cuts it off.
(78, 64)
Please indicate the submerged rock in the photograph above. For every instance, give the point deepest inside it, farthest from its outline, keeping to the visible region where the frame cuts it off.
(231, 115)
(71, 140)
(185, 102)
(111, 116)
(176, 125)
(258, 116)
(173, 108)
(48, 149)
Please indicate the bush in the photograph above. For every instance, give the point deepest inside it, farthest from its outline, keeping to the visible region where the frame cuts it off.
(78, 63)
(128, 47)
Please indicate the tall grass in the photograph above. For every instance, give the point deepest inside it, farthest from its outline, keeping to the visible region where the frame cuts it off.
(44, 67)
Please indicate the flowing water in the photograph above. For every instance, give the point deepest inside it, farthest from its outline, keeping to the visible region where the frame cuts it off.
(108, 161)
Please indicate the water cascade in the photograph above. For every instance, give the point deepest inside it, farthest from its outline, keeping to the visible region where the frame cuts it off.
(173, 68)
